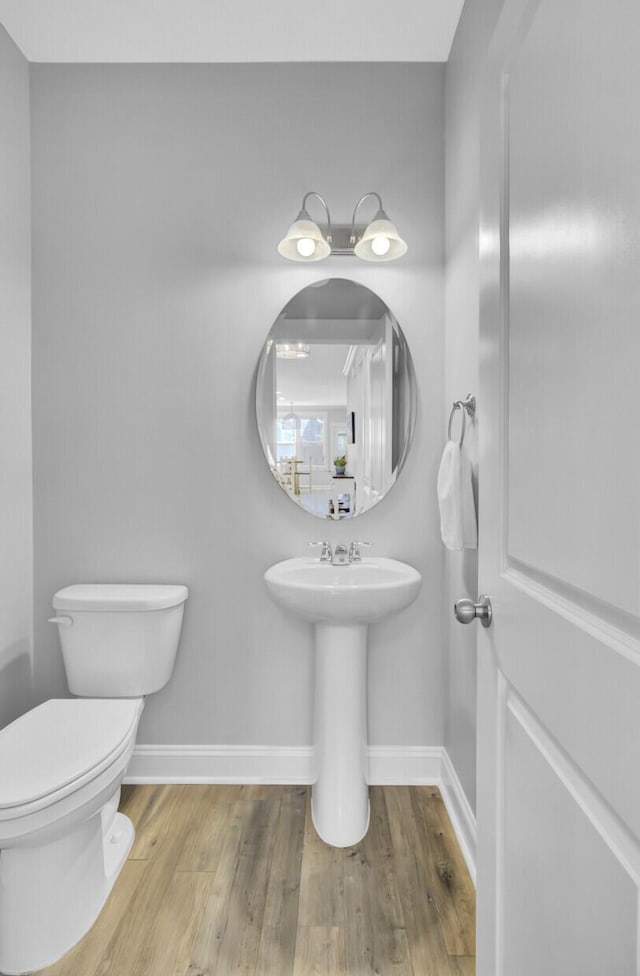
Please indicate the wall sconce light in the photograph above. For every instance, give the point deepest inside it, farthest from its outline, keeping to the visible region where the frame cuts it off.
(378, 241)
(304, 240)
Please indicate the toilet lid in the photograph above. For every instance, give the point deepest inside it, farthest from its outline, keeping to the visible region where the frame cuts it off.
(61, 741)
(119, 597)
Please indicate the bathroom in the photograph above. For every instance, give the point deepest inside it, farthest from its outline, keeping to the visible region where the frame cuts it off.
(143, 204)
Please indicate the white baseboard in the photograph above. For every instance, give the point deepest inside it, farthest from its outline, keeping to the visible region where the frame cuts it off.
(388, 765)
(219, 764)
(404, 765)
(460, 813)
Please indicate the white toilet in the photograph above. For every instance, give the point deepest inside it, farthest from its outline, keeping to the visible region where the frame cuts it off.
(62, 841)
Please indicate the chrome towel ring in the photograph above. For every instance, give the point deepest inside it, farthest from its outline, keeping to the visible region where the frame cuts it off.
(467, 406)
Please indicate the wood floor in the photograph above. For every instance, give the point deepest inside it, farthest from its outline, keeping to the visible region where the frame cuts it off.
(234, 880)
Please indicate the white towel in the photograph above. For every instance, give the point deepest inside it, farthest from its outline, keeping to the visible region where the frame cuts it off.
(458, 523)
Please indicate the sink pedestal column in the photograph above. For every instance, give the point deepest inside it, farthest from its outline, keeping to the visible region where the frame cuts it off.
(340, 795)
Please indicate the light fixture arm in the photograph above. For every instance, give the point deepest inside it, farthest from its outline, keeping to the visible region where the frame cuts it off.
(304, 213)
(380, 214)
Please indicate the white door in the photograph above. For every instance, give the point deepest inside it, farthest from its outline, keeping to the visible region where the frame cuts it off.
(559, 406)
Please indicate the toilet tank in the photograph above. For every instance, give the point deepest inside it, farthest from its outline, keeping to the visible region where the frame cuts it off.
(119, 640)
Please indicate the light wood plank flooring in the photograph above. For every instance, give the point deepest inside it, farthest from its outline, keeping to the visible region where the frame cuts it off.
(234, 880)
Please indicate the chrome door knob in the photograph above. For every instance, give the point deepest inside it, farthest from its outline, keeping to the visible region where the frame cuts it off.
(466, 611)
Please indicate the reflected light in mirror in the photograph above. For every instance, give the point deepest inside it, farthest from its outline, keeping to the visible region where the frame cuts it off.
(291, 420)
(292, 350)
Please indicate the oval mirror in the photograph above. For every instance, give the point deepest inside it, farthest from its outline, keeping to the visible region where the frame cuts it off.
(336, 399)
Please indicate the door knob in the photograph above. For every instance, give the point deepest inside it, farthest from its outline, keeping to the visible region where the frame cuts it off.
(466, 611)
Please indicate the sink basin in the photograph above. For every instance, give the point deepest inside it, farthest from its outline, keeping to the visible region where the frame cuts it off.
(341, 602)
(359, 593)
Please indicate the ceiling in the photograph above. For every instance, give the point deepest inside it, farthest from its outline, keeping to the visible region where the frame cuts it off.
(317, 380)
(231, 30)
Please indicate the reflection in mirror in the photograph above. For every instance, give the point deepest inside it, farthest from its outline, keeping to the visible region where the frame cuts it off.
(335, 399)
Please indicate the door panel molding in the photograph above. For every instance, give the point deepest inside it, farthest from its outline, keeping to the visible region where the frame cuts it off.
(572, 866)
(608, 826)
(620, 632)
(611, 828)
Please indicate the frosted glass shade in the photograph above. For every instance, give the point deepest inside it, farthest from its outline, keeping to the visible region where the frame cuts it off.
(304, 242)
(375, 238)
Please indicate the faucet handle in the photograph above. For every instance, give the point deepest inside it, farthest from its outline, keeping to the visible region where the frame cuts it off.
(325, 555)
(354, 550)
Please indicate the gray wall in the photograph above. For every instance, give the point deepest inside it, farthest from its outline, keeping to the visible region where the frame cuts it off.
(462, 128)
(16, 562)
(159, 194)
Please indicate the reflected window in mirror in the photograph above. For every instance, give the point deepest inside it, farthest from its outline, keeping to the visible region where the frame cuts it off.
(303, 438)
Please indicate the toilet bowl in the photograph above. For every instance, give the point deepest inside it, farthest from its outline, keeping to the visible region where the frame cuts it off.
(62, 840)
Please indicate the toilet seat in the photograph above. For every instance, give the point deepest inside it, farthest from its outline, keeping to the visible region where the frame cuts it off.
(56, 748)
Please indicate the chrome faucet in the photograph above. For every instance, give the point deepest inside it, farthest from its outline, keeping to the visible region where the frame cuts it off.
(326, 556)
(340, 556)
(354, 551)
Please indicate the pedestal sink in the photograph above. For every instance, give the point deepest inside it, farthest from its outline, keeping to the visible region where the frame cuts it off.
(341, 601)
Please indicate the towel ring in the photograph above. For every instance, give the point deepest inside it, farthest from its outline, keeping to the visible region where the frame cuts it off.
(455, 407)
(467, 406)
